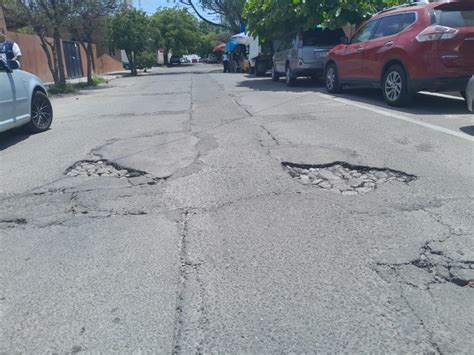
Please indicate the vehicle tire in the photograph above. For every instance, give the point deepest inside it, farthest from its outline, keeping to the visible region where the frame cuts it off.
(275, 76)
(331, 79)
(290, 77)
(463, 94)
(260, 68)
(41, 113)
(395, 86)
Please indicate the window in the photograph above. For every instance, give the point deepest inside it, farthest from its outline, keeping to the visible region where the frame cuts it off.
(391, 25)
(320, 37)
(454, 18)
(365, 32)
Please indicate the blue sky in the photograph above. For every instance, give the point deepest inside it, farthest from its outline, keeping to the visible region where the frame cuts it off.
(150, 6)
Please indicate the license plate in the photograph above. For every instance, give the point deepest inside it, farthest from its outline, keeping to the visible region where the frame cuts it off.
(319, 54)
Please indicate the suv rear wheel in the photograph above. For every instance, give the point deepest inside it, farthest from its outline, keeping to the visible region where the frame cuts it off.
(332, 79)
(275, 76)
(395, 86)
(290, 78)
(41, 113)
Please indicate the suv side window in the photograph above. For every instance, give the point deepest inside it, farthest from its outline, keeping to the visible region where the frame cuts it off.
(393, 24)
(365, 32)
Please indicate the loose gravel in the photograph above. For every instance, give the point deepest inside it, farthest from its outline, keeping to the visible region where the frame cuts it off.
(102, 168)
(344, 178)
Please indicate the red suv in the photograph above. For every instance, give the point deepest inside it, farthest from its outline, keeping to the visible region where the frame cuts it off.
(406, 49)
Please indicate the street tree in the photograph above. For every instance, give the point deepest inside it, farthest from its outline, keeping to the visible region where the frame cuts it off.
(130, 30)
(87, 23)
(228, 12)
(272, 19)
(47, 18)
(178, 31)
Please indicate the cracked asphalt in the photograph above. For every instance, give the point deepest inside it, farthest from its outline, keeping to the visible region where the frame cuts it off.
(156, 216)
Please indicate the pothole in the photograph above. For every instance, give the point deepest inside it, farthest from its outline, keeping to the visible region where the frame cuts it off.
(103, 168)
(345, 178)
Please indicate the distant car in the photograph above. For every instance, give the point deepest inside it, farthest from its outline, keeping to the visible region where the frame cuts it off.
(211, 59)
(175, 60)
(23, 100)
(406, 49)
(304, 55)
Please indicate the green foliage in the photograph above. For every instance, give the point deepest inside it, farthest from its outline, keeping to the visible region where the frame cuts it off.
(272, 19)
(178, 30)
(130, 30)
(58, 89)
(146, 60)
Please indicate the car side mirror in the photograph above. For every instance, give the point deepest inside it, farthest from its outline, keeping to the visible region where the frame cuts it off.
(344, 40)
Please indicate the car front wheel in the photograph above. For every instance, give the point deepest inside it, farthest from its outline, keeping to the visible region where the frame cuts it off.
(41, 113)
(395, 86)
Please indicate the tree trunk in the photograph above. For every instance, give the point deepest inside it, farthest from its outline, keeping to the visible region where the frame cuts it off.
(49, 57)
(89, 57)
(165, 56)
(131, 62)
(90, 61)
(59, 55)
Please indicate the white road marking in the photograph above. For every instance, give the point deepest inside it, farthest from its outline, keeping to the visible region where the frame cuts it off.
(398, 116)
(459, 98)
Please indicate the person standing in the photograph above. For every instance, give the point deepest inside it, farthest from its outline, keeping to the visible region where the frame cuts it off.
(9, 50)
(225, 61)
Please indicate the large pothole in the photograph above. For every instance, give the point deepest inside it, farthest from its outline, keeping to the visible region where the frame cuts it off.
(94, 168)
(345, 178)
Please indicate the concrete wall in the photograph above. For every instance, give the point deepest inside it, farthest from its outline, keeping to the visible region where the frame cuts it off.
(35, 61)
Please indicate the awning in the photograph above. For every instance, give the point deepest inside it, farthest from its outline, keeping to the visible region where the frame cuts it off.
(219, 48)
(241, 38)
(230, 46)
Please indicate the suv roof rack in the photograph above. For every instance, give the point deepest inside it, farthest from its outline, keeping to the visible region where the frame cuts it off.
(414, 3)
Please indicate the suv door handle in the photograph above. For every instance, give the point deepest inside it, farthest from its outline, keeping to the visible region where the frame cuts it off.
(388, 44)
(360, 49)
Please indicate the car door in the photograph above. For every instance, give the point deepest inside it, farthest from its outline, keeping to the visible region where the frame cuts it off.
(350, 64)
(21, 103)
(281, 56)
(384, 39)
(277, 57)
(7, 89)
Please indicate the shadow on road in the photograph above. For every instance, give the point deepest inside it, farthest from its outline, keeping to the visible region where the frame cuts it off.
(12, 137)
(423, 104)
(468, 130)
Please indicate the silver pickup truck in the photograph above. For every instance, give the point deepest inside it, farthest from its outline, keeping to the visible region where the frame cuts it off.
(304, 55)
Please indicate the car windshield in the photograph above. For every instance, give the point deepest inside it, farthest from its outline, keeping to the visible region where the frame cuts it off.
(320, 37)
(454, 18)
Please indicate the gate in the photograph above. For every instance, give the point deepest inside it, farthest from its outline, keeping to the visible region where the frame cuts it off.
(72, 57)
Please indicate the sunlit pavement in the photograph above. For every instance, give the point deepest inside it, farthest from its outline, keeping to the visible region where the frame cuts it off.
(192, 211)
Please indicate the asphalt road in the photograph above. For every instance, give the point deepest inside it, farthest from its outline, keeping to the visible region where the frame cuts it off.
(156, 216)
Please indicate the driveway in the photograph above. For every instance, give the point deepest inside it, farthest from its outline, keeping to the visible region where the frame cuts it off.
(191, 211)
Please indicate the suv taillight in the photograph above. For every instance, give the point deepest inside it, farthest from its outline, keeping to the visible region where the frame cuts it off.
(436, 32)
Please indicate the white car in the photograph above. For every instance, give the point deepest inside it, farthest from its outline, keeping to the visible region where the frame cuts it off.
(23, 100)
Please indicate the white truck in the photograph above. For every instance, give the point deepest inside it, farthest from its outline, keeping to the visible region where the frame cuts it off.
(260, 55)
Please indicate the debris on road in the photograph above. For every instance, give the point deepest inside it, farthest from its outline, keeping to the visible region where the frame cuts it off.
(102, 168)
(344, 178)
